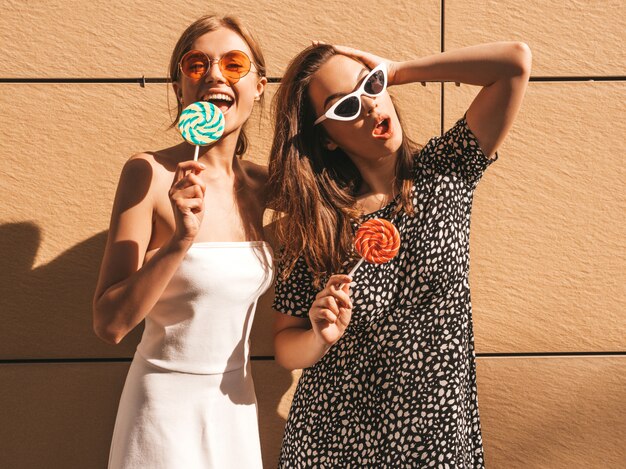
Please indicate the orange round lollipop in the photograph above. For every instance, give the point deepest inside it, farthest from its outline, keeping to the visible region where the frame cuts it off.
(377, 241)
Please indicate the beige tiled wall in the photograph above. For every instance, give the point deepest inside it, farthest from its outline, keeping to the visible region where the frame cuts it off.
(548, 270)
(567, 37)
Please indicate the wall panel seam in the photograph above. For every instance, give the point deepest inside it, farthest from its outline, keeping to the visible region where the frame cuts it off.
(23, 361)
(443, 48)
(148, 81)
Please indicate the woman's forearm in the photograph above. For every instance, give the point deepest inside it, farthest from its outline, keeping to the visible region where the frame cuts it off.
(125, 304)
(480, 65)
(298, 348)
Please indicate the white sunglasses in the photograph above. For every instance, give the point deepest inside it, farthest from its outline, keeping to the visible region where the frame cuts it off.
(349, 107)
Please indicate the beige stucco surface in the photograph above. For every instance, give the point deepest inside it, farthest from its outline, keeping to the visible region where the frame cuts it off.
(131, 39)
(567, 37)
(553, 413)
(58, 416)
(548, 232)
(72, 38)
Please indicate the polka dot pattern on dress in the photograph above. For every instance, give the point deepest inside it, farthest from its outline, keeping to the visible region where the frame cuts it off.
(399, 388)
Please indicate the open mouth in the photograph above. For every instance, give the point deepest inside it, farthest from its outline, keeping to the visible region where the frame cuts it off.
(221, 100)
(382, 128)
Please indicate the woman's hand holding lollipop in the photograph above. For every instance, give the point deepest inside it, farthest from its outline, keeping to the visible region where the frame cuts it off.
(377, 241)
(187, 198)
(331, 311)
(200, 124)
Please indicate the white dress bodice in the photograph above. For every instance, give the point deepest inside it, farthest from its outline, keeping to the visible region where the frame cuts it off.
(201, 324)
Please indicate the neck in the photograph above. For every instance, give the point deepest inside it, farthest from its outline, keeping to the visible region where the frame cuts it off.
(378, 175)
(219, 157)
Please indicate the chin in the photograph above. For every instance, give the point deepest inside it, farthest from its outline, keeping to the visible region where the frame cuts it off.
(394, 143)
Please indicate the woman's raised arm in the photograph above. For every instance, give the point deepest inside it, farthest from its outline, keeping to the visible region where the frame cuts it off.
(501, 68)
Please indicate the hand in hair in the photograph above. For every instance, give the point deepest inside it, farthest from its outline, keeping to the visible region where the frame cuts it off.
(331, 311)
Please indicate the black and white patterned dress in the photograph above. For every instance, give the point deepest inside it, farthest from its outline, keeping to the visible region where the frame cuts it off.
(399, 388)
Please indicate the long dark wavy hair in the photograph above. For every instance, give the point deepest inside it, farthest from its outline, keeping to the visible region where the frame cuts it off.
(313, 187)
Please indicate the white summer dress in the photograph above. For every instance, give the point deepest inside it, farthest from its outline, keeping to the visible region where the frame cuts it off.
(189, 401)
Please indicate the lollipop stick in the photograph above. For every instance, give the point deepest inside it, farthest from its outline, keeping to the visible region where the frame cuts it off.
(195, 155)
(351, 273)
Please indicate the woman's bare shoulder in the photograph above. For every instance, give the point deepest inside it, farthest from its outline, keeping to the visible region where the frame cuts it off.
(144, 173)
(157, 161)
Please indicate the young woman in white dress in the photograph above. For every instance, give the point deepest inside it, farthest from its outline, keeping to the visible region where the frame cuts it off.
(185, 252)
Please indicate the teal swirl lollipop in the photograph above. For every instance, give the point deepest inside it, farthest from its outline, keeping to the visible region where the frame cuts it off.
(201, 123)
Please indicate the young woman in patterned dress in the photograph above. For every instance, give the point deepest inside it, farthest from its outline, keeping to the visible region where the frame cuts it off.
(389, 374)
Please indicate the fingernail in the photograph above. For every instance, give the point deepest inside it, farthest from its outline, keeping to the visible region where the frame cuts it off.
(202, 166)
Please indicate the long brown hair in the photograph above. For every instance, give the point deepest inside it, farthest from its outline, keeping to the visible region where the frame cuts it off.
(201, 26)
(315, 188)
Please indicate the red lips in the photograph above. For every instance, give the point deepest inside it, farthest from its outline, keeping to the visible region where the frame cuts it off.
(382, 128)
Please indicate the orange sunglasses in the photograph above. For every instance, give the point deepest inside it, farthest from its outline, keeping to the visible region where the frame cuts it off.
(234, 65)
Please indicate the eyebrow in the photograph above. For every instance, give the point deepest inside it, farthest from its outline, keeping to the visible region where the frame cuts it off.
(358, 82)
